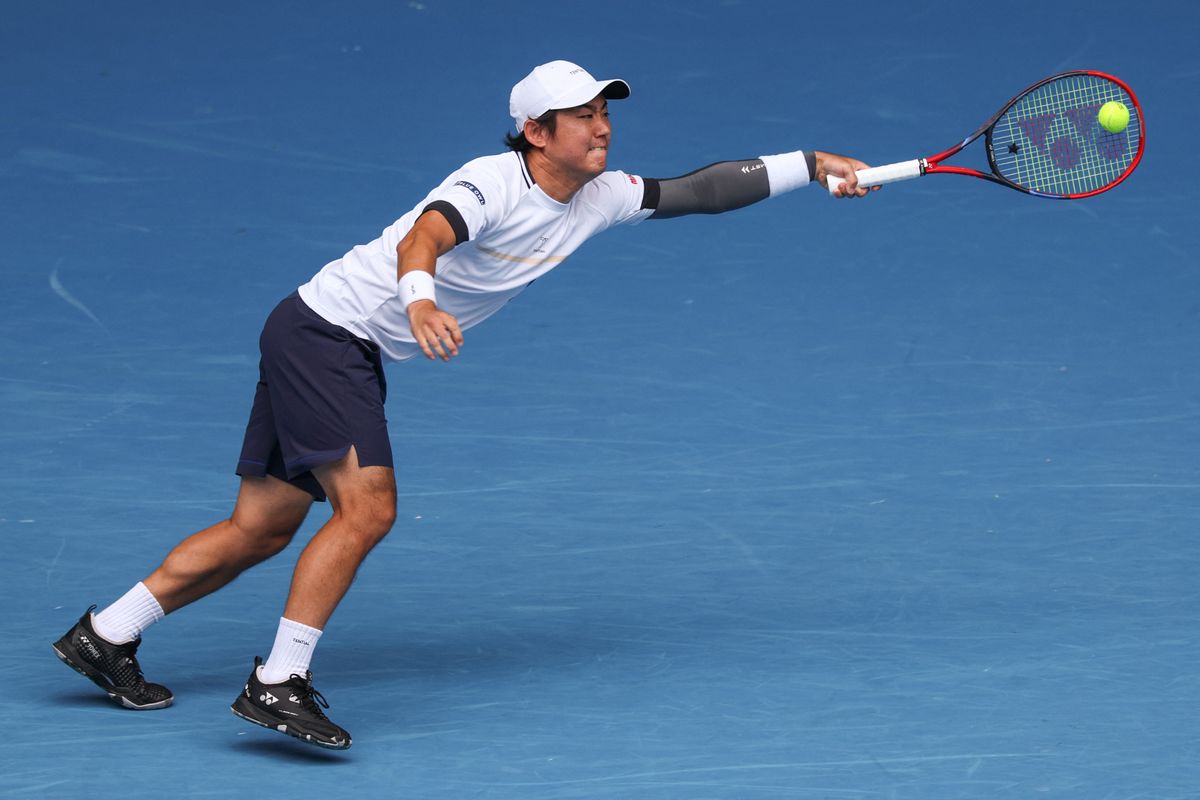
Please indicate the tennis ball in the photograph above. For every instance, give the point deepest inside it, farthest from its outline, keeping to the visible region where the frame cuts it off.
(1113, 116)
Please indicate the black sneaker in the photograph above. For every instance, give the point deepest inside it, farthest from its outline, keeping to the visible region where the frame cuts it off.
(292, 707)
(112, 667)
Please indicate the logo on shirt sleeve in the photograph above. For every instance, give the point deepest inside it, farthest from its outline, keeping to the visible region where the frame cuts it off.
(633, 179)
(475, 189)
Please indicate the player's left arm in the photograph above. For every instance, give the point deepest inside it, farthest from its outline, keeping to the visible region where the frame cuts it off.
(431, 237)
(728, 185)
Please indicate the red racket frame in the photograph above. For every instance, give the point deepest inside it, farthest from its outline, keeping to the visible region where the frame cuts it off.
(932, 165)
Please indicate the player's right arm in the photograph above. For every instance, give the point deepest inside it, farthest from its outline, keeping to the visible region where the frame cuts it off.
(431, 237)
(728, 185)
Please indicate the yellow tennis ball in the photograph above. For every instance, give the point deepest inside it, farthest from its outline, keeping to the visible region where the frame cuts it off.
(1113, 116)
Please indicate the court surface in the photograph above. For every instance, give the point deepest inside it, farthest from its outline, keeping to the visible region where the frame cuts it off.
(890, 499)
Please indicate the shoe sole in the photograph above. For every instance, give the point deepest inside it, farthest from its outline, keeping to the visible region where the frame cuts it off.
(283, 727)
(64, 652)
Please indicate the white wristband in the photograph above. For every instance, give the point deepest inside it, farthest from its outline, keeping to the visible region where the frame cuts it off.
(786, 172)
(416, 284)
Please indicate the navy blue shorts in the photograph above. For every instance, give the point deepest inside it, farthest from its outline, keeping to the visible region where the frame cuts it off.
(320, 390)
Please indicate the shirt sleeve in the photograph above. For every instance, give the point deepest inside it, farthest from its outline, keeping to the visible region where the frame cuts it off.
(617, 196)
(470, 200)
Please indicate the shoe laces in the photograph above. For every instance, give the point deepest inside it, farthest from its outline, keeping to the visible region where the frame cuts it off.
(130, 674)
(125, 666)
(310, 699)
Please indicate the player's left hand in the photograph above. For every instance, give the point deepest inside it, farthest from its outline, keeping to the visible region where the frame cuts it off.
(844, 168)
(436, 331)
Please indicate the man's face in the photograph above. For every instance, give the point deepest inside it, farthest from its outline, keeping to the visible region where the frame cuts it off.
(581, 138)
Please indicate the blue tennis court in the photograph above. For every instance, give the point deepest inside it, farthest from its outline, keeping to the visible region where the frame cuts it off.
(887, 498)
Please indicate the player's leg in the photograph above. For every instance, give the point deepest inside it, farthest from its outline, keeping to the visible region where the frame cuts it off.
(364, 510)
(103, 647)
(279, 694)
(266, 517)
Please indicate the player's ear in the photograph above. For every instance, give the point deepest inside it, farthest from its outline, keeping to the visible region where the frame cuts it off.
(536, 133)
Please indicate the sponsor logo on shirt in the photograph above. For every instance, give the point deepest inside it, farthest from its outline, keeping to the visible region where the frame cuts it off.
(633, 179)
(475, 189)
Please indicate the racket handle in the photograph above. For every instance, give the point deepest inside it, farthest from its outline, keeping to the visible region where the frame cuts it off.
(878, 176)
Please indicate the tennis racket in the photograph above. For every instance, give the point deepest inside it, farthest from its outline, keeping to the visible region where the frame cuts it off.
(1047, 141)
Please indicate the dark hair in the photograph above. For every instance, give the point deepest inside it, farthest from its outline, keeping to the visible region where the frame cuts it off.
(520, 144)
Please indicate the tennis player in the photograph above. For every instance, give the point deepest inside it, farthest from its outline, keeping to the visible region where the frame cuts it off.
(317, 428)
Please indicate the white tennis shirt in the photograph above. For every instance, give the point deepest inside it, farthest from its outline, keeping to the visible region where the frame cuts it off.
(516, 234)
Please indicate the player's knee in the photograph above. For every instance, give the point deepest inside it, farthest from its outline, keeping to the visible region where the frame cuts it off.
(273, 541)
(371, 517)
(379, 518)
(267, 534)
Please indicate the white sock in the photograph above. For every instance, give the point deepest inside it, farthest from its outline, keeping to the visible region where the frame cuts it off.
(292, 653)
(125, 619)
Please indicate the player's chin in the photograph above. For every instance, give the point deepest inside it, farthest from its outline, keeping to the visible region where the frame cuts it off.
(598, 159)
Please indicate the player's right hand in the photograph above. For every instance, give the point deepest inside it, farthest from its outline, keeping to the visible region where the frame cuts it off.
(844, 168)
(436, 331)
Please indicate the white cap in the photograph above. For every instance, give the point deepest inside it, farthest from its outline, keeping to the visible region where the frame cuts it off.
(559, 84)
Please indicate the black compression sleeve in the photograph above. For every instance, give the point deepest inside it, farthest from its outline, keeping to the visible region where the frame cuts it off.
(711, 190)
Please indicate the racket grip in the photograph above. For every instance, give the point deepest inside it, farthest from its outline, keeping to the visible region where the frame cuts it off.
(878, 176)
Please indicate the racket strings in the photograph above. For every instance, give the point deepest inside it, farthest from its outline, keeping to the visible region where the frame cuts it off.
(1050, 140)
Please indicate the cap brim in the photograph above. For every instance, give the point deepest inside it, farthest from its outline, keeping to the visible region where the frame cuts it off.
(615, 89)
